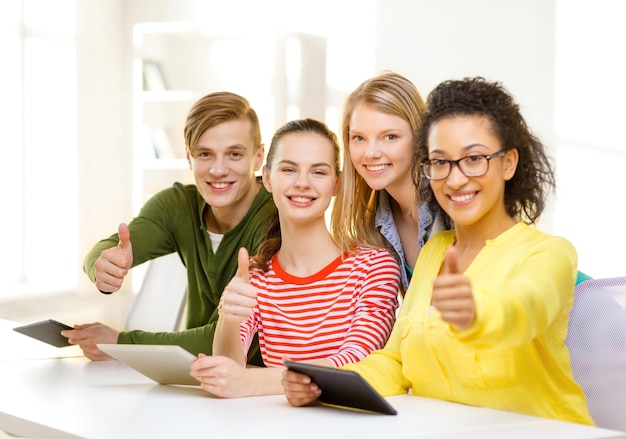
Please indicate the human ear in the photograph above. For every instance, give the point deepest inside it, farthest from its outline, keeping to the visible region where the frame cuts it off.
(337, 183)
(511, 159)
(260, 154)
(266, 179)
(188, 155)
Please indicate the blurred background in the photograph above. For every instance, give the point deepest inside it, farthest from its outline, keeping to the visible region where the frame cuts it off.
(95, 94)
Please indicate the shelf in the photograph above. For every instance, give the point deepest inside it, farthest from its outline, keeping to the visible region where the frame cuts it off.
(175, 64)
(167, 95)
(166, 164)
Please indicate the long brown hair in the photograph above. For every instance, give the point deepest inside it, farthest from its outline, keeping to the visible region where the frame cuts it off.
(273, 242)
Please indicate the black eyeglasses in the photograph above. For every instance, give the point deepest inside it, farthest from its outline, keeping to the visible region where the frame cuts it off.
(470, 166)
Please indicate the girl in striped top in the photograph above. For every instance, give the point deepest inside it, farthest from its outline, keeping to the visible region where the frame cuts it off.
(305, 297)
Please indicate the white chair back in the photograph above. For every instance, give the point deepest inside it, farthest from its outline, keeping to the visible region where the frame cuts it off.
(160, 302)
(597, 343)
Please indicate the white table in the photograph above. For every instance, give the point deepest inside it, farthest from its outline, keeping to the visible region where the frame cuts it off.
(16, 346)
(69, 397)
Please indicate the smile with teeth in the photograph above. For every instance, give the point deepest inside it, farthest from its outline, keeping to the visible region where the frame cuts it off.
(220, 185)
(376, 167)
(461, 198)
(301, 199)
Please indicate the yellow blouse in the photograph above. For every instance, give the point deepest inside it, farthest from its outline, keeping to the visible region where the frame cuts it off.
(513, 357)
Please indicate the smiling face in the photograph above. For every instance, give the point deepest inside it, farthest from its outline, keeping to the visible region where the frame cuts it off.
(471, 201)
(302, 177)
(223, 163)
(381, 148)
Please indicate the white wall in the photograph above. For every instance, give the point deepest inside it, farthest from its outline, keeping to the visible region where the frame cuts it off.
(104, 71)
(591, 146)
(563, 61)
(512, 41)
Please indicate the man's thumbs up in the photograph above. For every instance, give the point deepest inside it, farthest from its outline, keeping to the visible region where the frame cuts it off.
(243, 265)
(113, 264)
(124, 234)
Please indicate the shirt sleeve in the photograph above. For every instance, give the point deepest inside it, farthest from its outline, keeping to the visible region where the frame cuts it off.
(527, 301)
(249, 328)
(150, 233)
(382, 369)
(195, 340)
(376, 304)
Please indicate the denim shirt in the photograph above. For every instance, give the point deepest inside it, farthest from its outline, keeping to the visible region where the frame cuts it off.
(430, 223)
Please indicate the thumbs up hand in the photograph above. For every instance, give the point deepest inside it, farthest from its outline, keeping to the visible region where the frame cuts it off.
(124, 245)
(452, 294)
(243, 266)
(239, 297)
(113, 264)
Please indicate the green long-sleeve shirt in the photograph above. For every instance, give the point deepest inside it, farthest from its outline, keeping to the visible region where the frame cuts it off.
(173, 221)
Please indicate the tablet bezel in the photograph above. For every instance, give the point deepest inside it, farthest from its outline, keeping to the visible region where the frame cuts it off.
(344, 388)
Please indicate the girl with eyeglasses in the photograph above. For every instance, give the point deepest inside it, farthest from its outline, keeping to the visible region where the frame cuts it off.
(485, 321)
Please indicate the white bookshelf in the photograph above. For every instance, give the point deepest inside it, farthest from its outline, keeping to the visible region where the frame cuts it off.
(175, 64)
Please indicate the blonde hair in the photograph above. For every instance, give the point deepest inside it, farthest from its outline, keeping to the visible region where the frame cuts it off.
(216, 108)
(354, 212)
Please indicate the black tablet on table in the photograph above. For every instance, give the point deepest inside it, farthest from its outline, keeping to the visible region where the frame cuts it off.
(48, 331)
(344, 388)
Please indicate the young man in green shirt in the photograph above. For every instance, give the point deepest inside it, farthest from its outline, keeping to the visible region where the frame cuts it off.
(206, 224)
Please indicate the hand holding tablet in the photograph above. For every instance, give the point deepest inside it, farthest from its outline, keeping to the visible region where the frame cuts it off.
(343, 388)
(48, 331)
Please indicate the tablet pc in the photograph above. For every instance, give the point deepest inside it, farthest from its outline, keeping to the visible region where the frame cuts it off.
(48, 331)
(343, 388)
(164, 364)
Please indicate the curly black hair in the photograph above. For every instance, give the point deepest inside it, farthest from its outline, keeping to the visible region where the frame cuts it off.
(525, 194)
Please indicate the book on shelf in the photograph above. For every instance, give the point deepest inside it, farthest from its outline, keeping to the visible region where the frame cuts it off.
(153, 79)
(158, 143)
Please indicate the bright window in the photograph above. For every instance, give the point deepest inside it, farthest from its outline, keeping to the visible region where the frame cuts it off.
(38, 183)
(591, 146)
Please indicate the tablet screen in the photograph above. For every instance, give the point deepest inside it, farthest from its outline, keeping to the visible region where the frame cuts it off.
(344, 388)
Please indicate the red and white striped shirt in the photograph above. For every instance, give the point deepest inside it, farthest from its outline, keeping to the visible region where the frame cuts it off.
(342, 313)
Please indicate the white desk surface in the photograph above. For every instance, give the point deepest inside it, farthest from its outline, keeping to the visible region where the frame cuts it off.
(16, 346)
(70, 397)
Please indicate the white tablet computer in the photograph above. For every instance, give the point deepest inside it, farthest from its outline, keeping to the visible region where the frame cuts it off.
(165, 364)
(343, 388)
